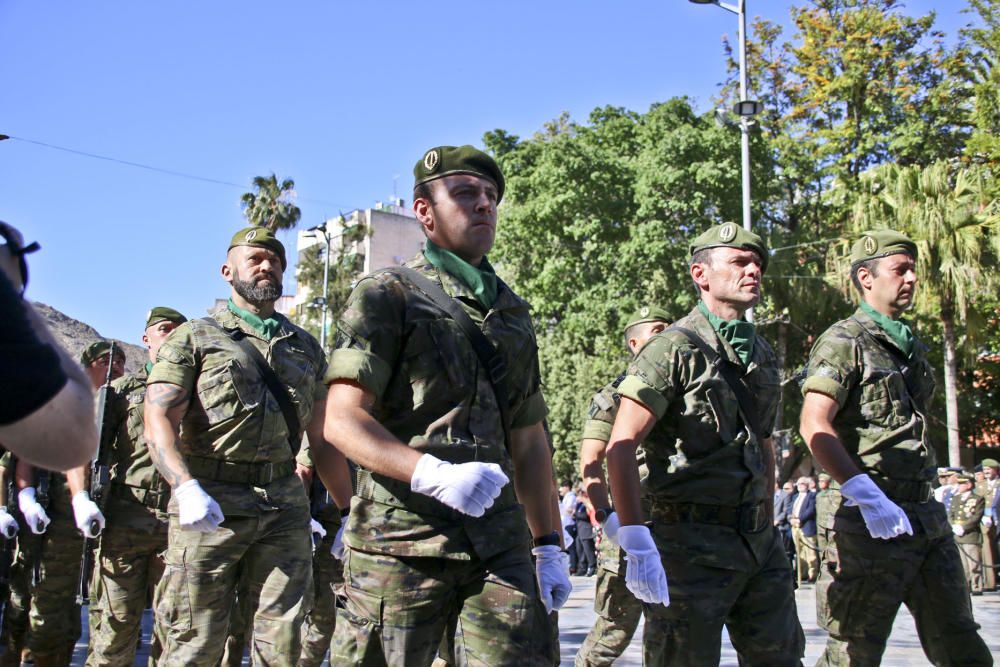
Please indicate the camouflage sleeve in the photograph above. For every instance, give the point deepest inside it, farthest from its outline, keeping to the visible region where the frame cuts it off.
(832, 369)
(176, 362)
(601, 415)
(650, 377)
(532, 409)
(369, 335)
(304, 457)
(319, 388)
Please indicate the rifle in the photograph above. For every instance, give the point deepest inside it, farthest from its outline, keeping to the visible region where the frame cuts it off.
(7, 549)
(42, 496)
(100, 478)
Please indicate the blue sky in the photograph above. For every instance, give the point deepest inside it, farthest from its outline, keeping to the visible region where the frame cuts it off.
(342, 97)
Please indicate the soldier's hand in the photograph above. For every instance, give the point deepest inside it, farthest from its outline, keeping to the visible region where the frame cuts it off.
(552, 571)
(644, 574)
(34, 514)
(884, 518)
(469, 488)
(337, 548)
(317, 528)
(8, 524)
(611, 526)
(88, 516)
(197, 510)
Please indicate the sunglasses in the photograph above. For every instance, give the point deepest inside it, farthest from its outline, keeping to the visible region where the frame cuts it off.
(15, 245)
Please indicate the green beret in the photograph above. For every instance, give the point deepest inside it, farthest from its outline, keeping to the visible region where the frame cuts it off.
(260, 237)
(163, 314)
(648, 314)
(730, 235)
(447, 160)
(990, 463)
(825, 476)
(98, 349)
(881, 243)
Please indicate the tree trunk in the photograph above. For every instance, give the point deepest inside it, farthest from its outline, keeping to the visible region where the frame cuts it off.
(950, 386)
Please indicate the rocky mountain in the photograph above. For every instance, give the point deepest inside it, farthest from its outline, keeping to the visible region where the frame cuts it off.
(76, 335)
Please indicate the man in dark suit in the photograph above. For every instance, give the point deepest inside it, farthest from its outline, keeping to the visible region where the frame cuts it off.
(802, 518)
(782, 506)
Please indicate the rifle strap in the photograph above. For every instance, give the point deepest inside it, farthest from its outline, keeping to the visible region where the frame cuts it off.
(489, 357)
(271, 381)
(733, 376)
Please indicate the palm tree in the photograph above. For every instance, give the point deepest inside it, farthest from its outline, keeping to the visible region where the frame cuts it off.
(270, 205)
(954, 217)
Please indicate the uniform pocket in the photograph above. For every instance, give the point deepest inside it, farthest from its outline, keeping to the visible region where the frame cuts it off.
(173, 600)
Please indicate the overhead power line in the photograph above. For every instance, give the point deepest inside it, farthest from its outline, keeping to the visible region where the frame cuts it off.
(139, 165)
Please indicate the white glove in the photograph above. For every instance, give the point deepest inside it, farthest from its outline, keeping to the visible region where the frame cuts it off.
(86, 513)
(957, 529)
(644, 574)
(469, 488)
(337, 548)
(552, 570)
(611, 525)
(197, 510)
(34, 514)
(884, 518)
(317, 528)
(987, 521)
(8, 524)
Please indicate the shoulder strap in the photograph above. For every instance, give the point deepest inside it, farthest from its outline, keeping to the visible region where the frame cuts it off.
(270, 379)
(732, 376)
(898, 360)
(496, 367)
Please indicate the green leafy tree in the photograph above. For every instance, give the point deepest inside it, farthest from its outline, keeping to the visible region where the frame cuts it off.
(954, 217)
(983, 40)
(271, 203)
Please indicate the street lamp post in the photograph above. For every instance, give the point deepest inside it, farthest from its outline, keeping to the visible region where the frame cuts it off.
(325, 303)
(744, 108)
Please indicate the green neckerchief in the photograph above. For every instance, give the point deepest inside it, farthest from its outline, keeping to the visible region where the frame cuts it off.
(265, 327)
(740, 333)
(149, 367)
(482, 280)
(898, 330)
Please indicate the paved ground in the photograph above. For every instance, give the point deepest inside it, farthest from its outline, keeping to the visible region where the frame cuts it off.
(577, 617)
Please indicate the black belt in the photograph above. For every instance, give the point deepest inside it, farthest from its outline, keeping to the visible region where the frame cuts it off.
(746, 518)
(905, 490)
(257, 474)
(156, 499)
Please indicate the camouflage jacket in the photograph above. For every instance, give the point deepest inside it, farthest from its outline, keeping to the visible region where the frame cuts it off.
(825, 505)
(124, 451)
(232, 415)
(700, 450)
(966, 510)
(433, 395)
(882, 398)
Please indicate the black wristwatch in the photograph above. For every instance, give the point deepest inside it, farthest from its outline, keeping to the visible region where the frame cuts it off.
(603, 513)
(552, 539)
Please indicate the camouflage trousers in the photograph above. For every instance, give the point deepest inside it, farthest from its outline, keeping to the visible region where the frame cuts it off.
(864, 580)
(268, 556)
(328, 581)
(757, 607)
(618, 614)
(128, 565)
(42, 615)
(806, 555)
(398, 608)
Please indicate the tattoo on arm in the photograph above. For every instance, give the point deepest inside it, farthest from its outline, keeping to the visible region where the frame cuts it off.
(170, 473)
(166, 395)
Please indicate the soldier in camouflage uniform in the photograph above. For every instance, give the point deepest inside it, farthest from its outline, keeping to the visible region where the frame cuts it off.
(436, 531)
(710, 479)
(618, 611)
(239, 518)
(128, 563)
(867, 392)
(824, 510)
(49, 558)
(964, 515)
(328, 570)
